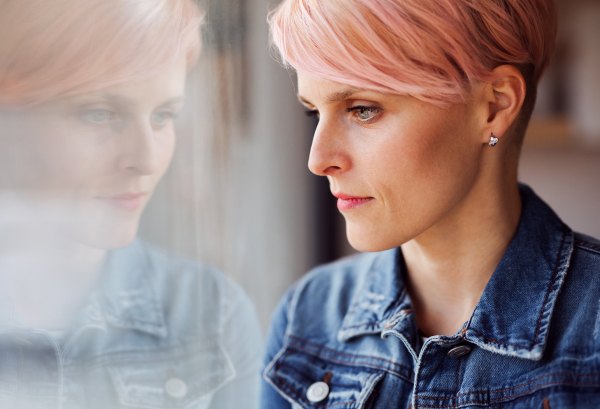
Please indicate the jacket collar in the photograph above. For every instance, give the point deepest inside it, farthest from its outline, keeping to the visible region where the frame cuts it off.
(127, 298)
(513, 315)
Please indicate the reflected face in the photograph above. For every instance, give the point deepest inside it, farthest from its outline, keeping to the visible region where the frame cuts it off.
(90, 163)
(397, 165)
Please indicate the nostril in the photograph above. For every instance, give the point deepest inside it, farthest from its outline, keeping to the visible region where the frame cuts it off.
(331, 169)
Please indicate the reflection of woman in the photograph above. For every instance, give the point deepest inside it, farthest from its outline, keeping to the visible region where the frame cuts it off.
(88, 318)
(477, 294)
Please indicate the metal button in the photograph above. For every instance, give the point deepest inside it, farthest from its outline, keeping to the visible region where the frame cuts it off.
(459, 351)
(176, 388)
(317, 391)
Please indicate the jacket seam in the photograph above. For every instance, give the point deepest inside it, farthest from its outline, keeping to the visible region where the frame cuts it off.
(340, 361)
(558, 259)
(587, 245)
(515, 387)
(512, 396)
(345, 354)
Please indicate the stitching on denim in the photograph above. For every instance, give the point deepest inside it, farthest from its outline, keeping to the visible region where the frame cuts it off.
(302, 341)
(339, 361)
(512, 396)
(558, 259)
(518, 386)
(546, 403)
(587, 245)
(293, 392)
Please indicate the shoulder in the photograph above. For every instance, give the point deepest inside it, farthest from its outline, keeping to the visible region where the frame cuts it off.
(578, 304)
(585, 260)
(588, 245)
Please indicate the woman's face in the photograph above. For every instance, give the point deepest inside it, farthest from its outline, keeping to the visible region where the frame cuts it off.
(89, 164)
(399, 166)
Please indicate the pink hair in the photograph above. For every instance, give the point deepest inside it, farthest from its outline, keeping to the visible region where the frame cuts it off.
(430, 49)
(59, 48)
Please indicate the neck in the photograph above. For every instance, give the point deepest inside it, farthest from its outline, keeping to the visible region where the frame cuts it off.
(449, 265)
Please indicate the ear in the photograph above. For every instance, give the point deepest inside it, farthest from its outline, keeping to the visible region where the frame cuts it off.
(504, 95)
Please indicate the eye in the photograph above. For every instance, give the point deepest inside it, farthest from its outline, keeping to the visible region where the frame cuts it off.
(97, 117)
(365, 113)
(163, 118)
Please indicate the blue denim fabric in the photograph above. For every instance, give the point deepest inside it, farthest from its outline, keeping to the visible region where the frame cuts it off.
(153, 319)
(534, 335)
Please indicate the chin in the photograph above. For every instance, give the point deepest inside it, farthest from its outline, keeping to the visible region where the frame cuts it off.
(366, 241)
(109, 235)
(373, 238)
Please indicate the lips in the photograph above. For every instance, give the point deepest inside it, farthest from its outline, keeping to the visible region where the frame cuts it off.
(125, 201)
(347, 202)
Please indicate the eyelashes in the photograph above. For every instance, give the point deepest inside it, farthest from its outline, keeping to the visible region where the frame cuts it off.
(364, 114)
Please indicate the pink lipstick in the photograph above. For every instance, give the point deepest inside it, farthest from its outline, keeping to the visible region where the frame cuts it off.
(125, 201)
(348, 202)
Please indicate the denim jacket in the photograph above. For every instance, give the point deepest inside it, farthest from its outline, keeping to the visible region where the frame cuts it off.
(159, 332)
(345, 336)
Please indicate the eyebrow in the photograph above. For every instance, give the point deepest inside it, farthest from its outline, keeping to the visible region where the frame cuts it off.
(127, 101)
(334, 97)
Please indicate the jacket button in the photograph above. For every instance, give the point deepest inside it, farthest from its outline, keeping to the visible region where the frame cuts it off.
(176, 388)
(459, 351)
(317, 391)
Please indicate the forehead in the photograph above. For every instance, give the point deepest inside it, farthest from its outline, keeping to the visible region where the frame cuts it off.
(313, 90)
(168, 83)
(167, 87)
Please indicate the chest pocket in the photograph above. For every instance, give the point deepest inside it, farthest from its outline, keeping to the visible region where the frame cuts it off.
(311, 381)
(175, 379)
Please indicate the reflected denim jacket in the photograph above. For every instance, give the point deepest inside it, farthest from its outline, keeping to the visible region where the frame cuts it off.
(158, 332)
(346, 336)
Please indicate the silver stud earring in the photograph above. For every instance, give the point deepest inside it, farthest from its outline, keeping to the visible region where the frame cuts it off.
(493, 140)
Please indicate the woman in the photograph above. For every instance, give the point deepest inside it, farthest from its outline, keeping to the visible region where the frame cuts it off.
(91, 317)
(475, 294)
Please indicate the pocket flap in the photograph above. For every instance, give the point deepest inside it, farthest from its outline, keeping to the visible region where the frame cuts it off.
(292, 372)
(176, 378)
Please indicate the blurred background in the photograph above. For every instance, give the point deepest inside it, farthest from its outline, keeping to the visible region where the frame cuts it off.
(239, 194)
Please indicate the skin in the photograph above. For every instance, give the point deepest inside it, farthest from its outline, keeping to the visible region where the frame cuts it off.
(68, 157)
(433, 184)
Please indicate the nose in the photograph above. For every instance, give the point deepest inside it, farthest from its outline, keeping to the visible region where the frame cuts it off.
(139, 149)
(328, 153)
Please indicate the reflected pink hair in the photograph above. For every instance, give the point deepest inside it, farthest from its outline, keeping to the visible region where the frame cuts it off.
(51, 49)
(430, 49)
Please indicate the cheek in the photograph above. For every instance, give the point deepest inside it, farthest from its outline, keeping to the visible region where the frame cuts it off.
(164, 153)
(427, 158)
(52, 157)
(419, 170)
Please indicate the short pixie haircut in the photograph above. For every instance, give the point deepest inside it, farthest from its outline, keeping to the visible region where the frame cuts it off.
(60, 48)
(433, 50)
